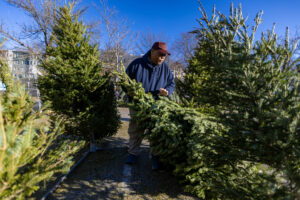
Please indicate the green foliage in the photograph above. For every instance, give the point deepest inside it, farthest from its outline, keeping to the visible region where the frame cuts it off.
(184, 139)
(241, 138)
(30, 151)
(73, 81)
(253, 89)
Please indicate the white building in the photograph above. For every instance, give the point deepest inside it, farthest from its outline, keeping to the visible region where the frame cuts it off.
(24, 68)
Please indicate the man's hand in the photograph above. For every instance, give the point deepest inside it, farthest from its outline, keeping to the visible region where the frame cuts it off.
(163, 92)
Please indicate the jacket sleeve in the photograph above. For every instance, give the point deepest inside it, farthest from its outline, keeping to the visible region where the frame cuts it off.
(170, 82)
(130, 70)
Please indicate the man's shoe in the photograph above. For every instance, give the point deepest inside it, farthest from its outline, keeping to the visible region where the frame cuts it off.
(131, 159)
(155, 163)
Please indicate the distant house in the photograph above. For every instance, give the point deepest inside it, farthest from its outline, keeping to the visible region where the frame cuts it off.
(24, 68)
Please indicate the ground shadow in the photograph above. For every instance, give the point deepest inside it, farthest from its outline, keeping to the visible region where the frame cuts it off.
(100, 176)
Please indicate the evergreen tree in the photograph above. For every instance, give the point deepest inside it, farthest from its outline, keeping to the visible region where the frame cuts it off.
(74, 83)
(216, 67)
(31, 150)
(253, 89)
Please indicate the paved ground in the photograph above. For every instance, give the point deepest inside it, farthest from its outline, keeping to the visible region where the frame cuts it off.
(103, 175)
(124, 112)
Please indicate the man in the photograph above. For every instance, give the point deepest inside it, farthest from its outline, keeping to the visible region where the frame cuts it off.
(157, 78)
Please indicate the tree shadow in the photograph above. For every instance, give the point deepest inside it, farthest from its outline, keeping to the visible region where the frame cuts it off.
(101, 176)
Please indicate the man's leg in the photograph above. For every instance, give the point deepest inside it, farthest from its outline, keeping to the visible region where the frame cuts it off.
(135, 139)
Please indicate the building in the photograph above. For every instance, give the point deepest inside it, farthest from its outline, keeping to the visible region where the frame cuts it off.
(24, 68)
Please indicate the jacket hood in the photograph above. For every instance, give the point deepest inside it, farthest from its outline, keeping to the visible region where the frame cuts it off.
(146, 59)
(146, 56)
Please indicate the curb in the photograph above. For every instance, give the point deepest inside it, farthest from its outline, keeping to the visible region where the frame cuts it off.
(65, 176)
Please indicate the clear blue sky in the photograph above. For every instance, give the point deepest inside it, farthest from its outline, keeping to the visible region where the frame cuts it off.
(173, 17)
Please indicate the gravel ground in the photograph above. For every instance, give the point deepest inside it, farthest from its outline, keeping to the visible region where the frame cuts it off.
(101, 175)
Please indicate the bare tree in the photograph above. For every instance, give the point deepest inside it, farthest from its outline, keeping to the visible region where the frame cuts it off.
(183, 48)
(177, 68)
(119, 37)
(146, 40)
(2, 41)
(36, 37)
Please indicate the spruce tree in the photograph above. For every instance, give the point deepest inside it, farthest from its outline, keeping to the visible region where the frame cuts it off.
(252, 87)
(31, 150)
(74, 82)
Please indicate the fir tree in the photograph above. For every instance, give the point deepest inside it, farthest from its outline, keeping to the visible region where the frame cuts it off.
(74, 83)
(253, 89)
(31, 151)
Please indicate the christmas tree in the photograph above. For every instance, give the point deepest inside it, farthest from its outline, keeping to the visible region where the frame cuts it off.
(31, 151)
(74, 83)
(251, 87)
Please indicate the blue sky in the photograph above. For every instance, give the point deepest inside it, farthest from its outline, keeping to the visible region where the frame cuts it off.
(173, 17)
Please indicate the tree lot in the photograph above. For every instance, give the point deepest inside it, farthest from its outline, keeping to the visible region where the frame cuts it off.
(236, 135)
(81, 101)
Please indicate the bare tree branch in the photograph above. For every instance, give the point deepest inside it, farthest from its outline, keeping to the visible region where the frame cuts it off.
(11, 37)
(120, 39)
(2, 41)
(44, 15)
(184, 46)
(146, 40)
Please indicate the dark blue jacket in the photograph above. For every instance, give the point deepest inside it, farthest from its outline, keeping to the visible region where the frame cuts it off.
(152, 77)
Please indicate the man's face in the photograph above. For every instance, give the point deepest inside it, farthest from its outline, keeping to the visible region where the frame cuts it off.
(157, 57)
